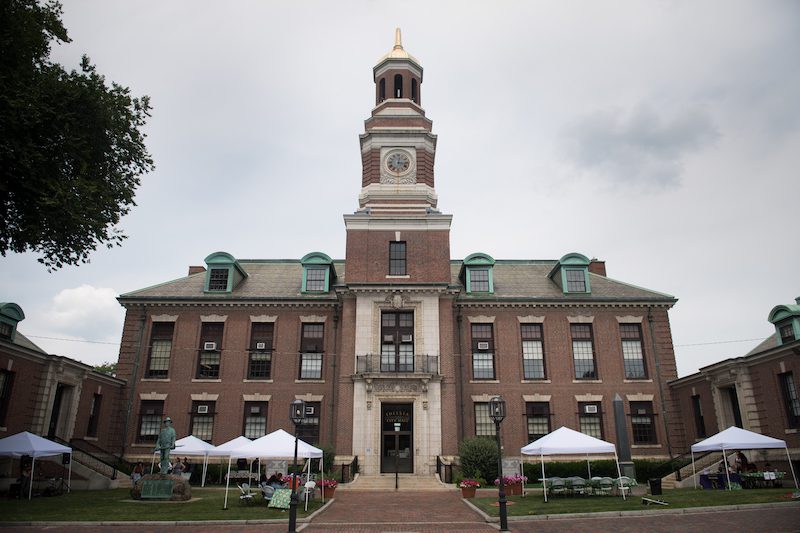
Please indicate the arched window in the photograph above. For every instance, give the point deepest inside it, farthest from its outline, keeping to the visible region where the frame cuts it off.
(414, 90)
(398, 86)
(382, 90)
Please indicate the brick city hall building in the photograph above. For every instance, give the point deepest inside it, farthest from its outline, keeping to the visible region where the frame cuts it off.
(398, 331)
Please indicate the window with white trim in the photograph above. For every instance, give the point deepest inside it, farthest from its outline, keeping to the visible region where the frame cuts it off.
(632, 352)
(532, 351)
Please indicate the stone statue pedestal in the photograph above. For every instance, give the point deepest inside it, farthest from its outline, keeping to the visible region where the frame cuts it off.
(162, 487)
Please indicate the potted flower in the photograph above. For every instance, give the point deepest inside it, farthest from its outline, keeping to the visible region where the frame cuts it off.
(513, 483)
(468, 487)
(328, 487)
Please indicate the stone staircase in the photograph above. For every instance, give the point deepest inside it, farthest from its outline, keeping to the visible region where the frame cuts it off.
(385, 483)
(671, 482)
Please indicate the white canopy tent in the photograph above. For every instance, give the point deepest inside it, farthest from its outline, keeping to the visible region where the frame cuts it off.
(279, 444)
(35, 446)
(565, 441)
(735, 438)
(193, 446)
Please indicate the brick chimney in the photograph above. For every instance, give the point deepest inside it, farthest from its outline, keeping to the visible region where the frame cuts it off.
(196, 269)
(597, 267)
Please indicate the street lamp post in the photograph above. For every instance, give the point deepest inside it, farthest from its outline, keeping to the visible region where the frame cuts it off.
(298, 414)
(396, 453)
(497, 412)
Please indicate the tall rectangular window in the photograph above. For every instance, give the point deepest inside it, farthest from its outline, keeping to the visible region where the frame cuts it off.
(397, 258)
(632, 353)
(94, 415)
(397, 342)
(308, 431)
(538, 415)
(6, 330)
(203, 420)
(484, 426)
(160, 349)
(791, 399)
(150, 413)
(218, 279)
(643, 427)
(532, 351)
(259, 364)
(255, 419)
(583, 351)
(315, 279)
(6, 382)
(699, 420)
(210, 350)
(311, 347)
(576, 280)
(590, 419)
(482, 351)
(478, 280)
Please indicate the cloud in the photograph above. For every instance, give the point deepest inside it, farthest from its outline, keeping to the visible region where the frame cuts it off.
(86, 312)
(639, 147)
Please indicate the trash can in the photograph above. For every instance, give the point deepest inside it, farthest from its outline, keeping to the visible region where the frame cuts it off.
(655, 486)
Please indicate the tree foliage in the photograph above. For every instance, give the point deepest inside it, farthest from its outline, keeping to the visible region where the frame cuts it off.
(71, 146)
(107, 367)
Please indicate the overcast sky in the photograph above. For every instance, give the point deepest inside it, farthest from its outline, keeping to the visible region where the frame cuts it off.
(662, 137)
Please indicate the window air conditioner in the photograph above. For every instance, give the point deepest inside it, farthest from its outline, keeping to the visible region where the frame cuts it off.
(388, 338)
(483, 345)
(209, 346)
(150, 411)
(202, 409)
(591, 409)
(309, 410)
(254, 410)
(641, 412)
(407, 338)
(261, 346)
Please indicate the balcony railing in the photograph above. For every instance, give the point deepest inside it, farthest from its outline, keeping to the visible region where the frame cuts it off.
(418, 364)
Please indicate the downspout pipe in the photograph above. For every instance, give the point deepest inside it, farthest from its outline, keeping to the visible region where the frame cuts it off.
(460, 377)
(335, 368)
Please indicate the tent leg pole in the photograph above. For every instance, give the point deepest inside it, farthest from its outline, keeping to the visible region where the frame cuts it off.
(544, 481)
(227, 483)
(69, 478)
(205, 466)
(619, 474)
(725, 465)
(791, 468)
(694, 473)
(33, 469)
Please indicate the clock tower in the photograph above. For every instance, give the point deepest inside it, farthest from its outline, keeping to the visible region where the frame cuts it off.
(397, 282)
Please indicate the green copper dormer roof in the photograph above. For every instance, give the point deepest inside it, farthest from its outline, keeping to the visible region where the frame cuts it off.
(573, 259)
(224, 258)
(224, 273)
(12, 312)
(782, 312)
(315, 262)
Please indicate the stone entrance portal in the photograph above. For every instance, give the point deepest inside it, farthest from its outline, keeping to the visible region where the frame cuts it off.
(397, 437)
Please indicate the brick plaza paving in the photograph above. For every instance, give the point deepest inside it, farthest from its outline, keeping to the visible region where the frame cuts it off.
(428, 512)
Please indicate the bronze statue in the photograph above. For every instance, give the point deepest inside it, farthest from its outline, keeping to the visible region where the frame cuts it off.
(165, 443)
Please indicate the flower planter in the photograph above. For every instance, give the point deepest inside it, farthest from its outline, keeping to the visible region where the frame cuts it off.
(328, 492)
(515, 489)
(468, 492)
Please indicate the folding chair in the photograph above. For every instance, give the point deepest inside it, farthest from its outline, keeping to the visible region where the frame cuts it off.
(246, 496)
(308, 490)
(267, 491)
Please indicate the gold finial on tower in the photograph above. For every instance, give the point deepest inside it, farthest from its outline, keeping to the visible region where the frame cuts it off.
(398, 40)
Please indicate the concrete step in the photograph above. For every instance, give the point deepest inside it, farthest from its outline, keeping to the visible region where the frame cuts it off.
(386, 482)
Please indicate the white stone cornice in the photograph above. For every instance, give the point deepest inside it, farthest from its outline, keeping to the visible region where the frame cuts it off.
(427, 222)
(152, 396)
(629, 319)
(480, 319)
(639, 397)
(483, 398)
(309, 397)
(257, 397)
(580, 319)
(536, 397)
(163, 318)
(314, 319)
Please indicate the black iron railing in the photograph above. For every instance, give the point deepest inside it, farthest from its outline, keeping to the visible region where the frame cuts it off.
(445, 470)
(99, 459)
(418, 364)
(346, 471)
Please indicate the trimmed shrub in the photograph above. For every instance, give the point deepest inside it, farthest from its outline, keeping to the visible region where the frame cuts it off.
(478, 458)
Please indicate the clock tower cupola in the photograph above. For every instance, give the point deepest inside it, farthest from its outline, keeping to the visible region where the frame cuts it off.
(398, 235)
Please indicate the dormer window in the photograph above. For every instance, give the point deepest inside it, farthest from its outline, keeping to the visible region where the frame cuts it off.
(10, 315)
(218, 279)
(477, 273)
(571, 274)
(317, 272)
(786, 319)
(224, 273)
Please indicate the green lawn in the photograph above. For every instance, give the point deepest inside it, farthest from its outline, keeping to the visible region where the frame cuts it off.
(104, 505)
(533, 503)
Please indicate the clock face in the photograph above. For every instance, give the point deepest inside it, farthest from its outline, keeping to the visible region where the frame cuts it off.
(398, 162)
